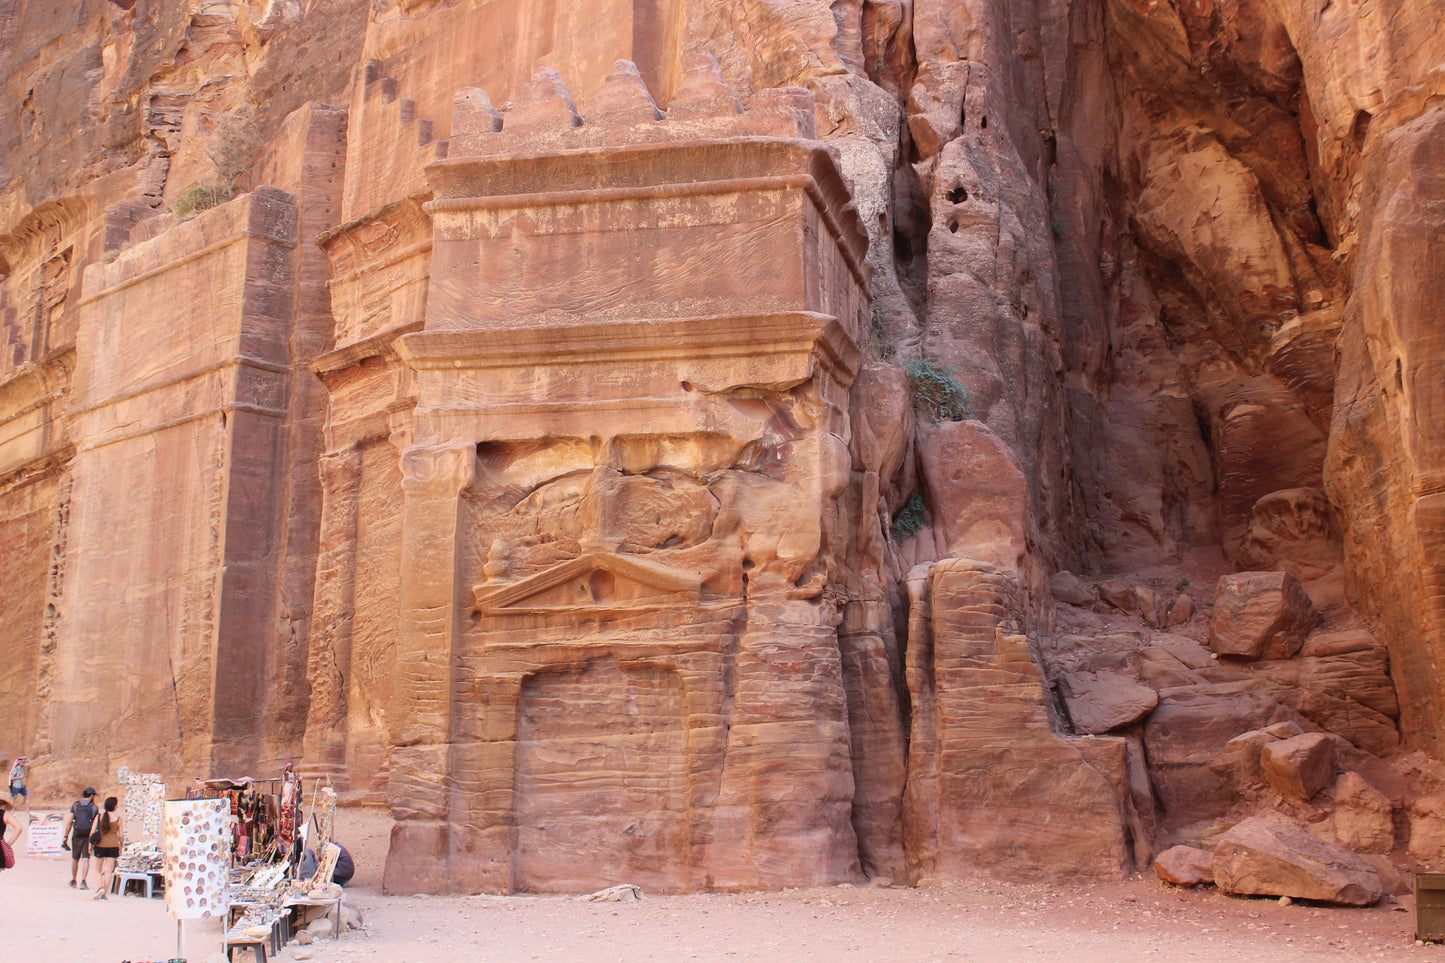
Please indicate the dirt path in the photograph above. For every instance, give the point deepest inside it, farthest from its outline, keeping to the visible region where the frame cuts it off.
(44, 921)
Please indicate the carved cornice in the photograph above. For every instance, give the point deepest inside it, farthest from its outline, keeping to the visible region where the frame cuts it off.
(683, 339)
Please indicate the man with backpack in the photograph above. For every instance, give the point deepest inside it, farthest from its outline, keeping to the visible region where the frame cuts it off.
(75, 836)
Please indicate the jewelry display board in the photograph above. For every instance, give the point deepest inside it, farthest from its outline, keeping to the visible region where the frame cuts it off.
(145, 796)
(198, 854)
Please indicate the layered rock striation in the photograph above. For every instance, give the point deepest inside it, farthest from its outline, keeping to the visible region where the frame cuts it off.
(661, 436)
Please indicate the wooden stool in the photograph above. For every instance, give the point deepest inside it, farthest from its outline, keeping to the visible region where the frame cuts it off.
(259, 946)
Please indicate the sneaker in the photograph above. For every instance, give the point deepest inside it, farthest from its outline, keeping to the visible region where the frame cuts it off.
(83, 886)
(72, 884)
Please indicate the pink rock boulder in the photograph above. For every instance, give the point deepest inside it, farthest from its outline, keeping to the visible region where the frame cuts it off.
(1263, 858)
(1185, 866)
(1069, 588)
(1301, 766)
(1363, 820)
(1101, 701)
(1261, 615)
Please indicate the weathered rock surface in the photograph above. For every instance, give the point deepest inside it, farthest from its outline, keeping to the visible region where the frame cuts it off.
(1425, 816)
(1185, 866)
(982, 739)
(1071, 590)
(1184, 735)
(1260, 615)
(1259, 857)
(1341, 682)
(1300, 766)
(1098, 702)
(1238, 763)
(1362, 819)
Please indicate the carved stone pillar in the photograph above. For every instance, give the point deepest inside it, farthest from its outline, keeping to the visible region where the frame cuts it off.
(330, 653)
(433, 479)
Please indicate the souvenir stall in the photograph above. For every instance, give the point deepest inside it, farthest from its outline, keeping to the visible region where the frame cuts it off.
(265, 901)
(141, 857)
(260, 822)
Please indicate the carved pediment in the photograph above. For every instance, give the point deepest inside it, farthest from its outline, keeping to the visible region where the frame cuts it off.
(594, 581)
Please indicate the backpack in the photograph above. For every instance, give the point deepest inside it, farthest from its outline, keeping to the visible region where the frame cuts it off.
(83, 816)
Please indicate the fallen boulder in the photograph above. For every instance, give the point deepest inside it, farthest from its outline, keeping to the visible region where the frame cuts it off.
(1101, 701)
(1238, 762)
(1300, 766)
(1259, 857)
(1181, 610)
(1185, 866)
(1261, 615)
(1119, 594)
(1363, 819)
(1069, 588)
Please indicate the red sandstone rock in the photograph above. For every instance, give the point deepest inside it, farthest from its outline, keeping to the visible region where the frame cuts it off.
(976, 488)
(1185, 735)
(1260, 615)
(1426, 818)
(1101, 701)
(1185, 866)
(1263, 858)
(1181, 610)
(1119, 594)
(1145, 310)
(1239, 760)
(981, 736)
(1301, 766)
(1340, 682)
(1293, 531)
(1363, 817)
(1070, 589)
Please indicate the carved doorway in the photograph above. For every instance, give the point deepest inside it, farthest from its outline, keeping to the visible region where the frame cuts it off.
(602, 778)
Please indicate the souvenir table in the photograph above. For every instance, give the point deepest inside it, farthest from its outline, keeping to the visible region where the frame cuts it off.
(303, 907)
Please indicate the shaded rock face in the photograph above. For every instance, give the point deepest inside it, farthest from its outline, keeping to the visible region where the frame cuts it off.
(569, 458)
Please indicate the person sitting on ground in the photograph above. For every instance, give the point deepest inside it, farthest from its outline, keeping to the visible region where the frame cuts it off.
(345, 868)
(75, 835)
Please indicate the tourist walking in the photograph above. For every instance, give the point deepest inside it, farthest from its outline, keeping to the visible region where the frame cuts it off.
(9, 830)
(17, 780)
(107, 848)
(75, 835)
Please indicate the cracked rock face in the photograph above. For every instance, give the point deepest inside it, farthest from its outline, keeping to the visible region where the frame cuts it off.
(1146, 292)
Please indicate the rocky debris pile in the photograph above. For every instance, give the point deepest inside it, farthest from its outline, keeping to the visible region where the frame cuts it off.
(1267, 709)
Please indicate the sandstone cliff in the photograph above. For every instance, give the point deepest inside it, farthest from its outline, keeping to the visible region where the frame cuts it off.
(663, 431)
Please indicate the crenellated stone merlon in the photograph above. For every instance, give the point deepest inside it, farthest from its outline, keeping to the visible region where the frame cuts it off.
(624, 113)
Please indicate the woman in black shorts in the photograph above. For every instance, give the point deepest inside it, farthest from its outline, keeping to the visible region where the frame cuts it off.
(107, 851)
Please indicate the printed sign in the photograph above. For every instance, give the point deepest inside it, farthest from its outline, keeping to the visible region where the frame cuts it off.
(45, 832)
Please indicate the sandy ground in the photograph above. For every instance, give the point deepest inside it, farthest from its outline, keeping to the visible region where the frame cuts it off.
(44, 921)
